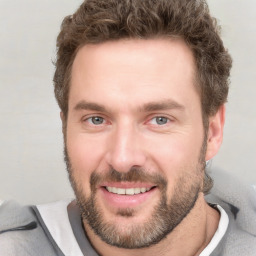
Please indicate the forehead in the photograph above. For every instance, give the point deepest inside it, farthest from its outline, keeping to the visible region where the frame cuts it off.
(137, 70)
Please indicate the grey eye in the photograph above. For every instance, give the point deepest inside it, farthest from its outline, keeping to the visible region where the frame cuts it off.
(97, 120)
(161, 120)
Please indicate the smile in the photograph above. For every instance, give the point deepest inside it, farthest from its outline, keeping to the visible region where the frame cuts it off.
(127, 191)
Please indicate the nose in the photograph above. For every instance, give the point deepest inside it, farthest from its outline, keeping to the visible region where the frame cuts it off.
(125, 149)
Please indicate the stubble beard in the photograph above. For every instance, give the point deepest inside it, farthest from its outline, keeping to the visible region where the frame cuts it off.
(166, 216)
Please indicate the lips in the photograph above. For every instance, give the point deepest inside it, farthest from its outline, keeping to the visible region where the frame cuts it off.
(126, 195)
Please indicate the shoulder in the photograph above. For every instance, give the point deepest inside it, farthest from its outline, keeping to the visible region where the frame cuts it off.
(20, 232)
(239, 202)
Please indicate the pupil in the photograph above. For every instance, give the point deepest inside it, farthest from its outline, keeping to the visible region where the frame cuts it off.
(161, 120)
(97, 120)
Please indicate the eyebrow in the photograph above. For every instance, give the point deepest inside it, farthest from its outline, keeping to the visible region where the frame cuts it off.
(162, 105)
(84, 105)
(148, 107)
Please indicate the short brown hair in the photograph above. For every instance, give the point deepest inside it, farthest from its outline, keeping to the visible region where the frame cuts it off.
(98, 21)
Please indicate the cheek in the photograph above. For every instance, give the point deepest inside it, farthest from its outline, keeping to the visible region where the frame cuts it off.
(85, 157)
(175, 155)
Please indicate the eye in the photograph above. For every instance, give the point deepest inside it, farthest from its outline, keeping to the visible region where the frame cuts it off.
(96, 120)
(160, 120)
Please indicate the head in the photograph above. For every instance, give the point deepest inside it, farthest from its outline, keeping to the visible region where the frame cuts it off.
(104, 74)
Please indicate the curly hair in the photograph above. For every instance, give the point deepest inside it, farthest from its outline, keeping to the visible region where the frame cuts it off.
(98, 21)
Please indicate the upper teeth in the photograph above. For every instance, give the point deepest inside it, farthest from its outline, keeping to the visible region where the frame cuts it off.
(127, 191)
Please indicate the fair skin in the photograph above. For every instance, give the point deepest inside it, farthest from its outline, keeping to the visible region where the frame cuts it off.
(133, 103)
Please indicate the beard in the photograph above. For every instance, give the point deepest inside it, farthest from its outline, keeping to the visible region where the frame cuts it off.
(166, 214)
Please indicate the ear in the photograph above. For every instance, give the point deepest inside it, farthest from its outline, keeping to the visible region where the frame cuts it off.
(62, 116)
(63, 120)
(215, 133)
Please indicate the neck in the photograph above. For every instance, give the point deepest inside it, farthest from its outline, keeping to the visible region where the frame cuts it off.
(189, 238)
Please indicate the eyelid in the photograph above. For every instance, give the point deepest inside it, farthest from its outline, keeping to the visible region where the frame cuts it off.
(91, 115)
(168, 119)
(152, 116)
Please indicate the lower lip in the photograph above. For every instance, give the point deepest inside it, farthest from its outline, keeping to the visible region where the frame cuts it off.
(126, 201)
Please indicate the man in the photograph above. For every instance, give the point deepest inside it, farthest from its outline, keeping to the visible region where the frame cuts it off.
(141, 86)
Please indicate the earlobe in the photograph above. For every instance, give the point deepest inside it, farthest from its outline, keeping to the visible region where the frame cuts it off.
(215, 133)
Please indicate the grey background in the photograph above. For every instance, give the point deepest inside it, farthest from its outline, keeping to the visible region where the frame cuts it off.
(31, 159)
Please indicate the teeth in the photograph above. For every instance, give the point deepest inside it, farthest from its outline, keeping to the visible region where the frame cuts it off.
(120, 191)
(127, 191)
(130, 191)
(143, 190)
(136, 190)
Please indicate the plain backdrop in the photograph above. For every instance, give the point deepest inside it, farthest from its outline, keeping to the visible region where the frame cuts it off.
(32, 169)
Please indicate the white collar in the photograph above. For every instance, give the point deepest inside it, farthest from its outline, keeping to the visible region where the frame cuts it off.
(220, 232)
(55, 217)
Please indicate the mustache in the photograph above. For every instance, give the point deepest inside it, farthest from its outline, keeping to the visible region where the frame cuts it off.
(135, 174)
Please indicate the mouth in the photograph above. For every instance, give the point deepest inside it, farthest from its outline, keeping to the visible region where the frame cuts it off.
(128, 191)
(127, 195)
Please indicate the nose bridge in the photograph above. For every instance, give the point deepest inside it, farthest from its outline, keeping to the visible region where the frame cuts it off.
(125, 150)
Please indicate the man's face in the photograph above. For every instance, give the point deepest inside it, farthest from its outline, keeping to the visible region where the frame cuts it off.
(135, 144)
